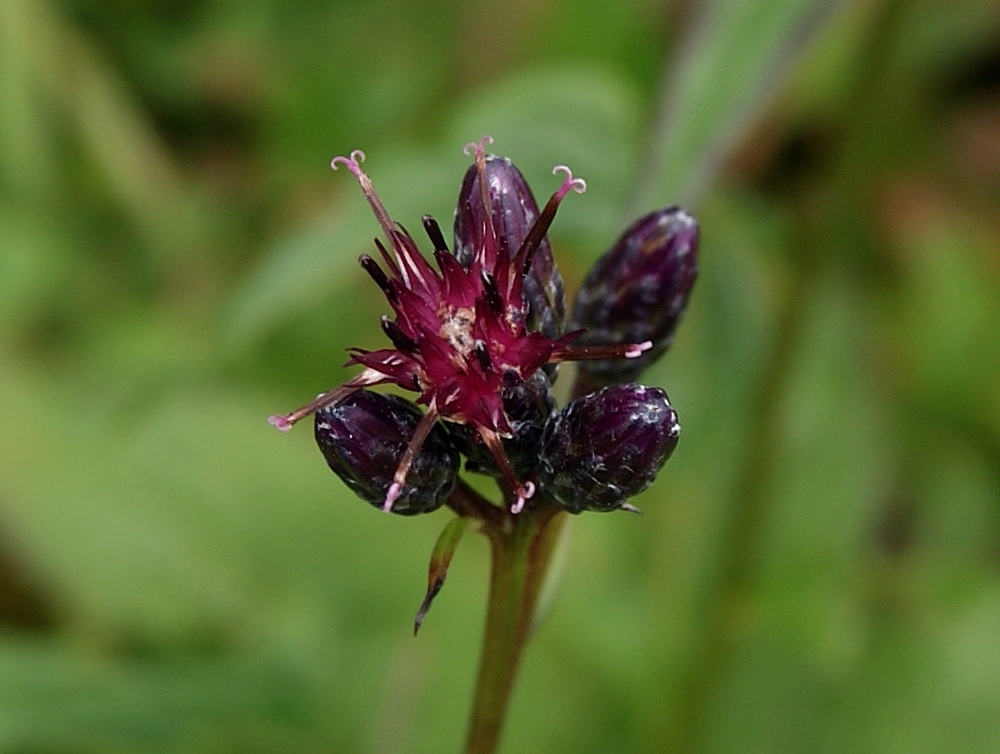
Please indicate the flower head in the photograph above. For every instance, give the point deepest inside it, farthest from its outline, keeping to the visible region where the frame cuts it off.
(477, 326)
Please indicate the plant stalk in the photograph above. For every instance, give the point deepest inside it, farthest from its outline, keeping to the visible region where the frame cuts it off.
(521, 551)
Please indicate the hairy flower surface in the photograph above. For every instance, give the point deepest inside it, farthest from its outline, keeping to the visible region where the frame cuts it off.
(464, 332)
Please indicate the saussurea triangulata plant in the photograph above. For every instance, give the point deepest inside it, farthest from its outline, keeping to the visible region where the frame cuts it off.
(478, 336)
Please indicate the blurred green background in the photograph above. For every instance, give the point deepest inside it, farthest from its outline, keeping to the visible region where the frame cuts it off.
(818, 569)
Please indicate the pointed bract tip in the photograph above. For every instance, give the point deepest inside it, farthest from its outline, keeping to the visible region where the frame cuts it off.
(353, 162)
(280, 421)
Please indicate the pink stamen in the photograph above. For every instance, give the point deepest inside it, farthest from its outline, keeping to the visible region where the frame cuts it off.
(478, 147)
(280, 421)
(522, 259)
(522, 497)
(423, 429)
(352, 163)
(637, 350)
(565, 352)
(391, 496)
(284, 422)
(522, 491)
(569, 182)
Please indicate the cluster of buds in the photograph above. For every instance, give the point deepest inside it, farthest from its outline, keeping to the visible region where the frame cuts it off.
(478, 337)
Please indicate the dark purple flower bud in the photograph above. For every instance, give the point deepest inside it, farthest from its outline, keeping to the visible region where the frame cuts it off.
(363, 438)
(527, 405)
(602, 449)
(638, 291)
(513, 212)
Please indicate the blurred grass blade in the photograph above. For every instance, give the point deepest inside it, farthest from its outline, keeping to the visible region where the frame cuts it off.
(302, 270)
(734, 58)
(55, 700)
(53, 66)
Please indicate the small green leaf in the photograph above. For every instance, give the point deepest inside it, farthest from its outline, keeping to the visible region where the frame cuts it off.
(444, 549)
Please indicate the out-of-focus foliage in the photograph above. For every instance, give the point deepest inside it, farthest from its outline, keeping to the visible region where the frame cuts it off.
(818, 569)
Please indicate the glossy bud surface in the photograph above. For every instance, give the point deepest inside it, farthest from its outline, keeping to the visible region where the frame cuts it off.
(602, 449)
(513, 211)
(363, 437)
(638, 291)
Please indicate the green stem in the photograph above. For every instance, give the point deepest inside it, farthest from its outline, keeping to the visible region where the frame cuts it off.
(521, 551)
